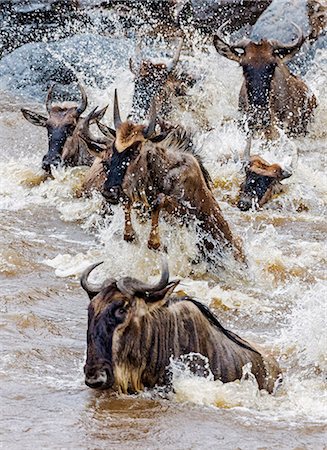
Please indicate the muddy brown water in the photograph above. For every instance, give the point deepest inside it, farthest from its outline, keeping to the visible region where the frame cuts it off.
(48, 237)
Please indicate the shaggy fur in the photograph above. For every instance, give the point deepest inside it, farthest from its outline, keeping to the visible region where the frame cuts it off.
(136, 350)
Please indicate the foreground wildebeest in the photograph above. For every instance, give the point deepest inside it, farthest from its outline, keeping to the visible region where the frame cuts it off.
(270, 94)
(157, 82)
(134, 329)
(262, 181)
(63, 125)
(164, 173)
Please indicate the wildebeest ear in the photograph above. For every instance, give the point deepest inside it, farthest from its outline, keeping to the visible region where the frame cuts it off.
(109, 132)
(160, 295)
(95, 149)
(226, 50)
(160, 137)
(34, 118)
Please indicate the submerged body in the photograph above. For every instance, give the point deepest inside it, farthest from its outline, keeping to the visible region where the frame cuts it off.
(134, 330)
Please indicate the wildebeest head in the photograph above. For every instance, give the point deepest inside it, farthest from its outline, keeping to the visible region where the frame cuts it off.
(258, 61)
(262, 180)
(128, 136)
(113, 306)
(150, 80)
(61, 124)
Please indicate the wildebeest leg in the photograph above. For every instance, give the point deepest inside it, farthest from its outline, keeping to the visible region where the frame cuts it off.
(154, 238)
(129, 233)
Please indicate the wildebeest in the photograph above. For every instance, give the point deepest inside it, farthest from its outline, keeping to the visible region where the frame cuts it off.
(262, 180)
(63, 124)
(164, 173)
(270, 94)
(135, 328)
(157, 82)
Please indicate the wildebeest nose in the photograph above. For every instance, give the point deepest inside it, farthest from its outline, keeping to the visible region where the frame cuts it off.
(96, 378)
(244, 205)
(112, 194)
(48, 162)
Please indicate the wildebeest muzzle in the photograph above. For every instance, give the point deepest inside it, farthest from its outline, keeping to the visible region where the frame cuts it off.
(98, 376)
(112, 194)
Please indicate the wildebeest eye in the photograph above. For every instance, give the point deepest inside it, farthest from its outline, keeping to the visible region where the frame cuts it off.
(120, 313)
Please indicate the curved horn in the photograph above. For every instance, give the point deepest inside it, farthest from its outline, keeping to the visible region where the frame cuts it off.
(171, 66)
(292, 45)
(149, 130)
(48, 99)
(86, 132)
(239, 44)
(291, 168)
(219, 32)
(132, 67)
(92, 291)
(83, 104)
(117, 119)
(132, 286)
(247, 150)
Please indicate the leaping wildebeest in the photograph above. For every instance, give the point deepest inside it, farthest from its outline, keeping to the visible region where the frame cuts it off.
(262, 180)
(135, 328)
(164, 172)
(270, 95)
(63, 124)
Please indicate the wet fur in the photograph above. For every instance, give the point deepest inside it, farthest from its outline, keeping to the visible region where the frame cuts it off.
(170, 168)
(143, 344)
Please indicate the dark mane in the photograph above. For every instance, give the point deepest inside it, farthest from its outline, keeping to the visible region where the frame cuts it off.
(182, 141)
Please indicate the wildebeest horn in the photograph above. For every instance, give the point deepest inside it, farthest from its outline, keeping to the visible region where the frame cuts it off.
(92, 291)
(247, 150)
(48, 99)
(132, 286)
(86, 132)
(132, 67)
(294, 160)
(83, 104)
(292, 45)
(117, 119)
(149, 130)
(240, 44)
(171, 66)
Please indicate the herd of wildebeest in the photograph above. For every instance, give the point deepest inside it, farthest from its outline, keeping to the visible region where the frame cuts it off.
(150, 162)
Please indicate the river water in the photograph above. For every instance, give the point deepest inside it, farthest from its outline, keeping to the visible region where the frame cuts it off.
(48, 236)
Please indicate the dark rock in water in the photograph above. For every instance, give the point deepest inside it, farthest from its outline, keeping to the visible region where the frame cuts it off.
(276, 21)
(93, 60)
(24, 21)
(208, 15)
